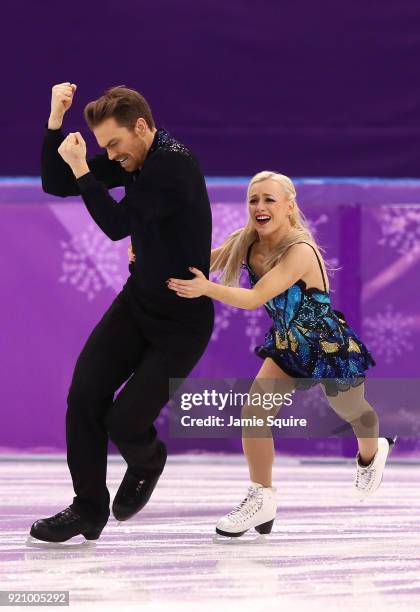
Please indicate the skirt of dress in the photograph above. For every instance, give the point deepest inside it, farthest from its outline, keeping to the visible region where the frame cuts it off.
(337, 363)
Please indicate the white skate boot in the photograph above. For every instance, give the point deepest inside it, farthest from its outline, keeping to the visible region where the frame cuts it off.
(257, 510)
(369, 477)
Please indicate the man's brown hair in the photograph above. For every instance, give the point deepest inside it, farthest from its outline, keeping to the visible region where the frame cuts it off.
(124, 104)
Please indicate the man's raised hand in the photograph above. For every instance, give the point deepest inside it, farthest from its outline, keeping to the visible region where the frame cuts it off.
(61, 100)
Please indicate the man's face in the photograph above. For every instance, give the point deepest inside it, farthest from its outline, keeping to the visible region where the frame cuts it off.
(127, 147)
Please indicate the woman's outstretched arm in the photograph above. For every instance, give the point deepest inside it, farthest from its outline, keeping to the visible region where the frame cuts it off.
(293, 265)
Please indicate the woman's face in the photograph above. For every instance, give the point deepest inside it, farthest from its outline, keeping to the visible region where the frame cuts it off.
(268, 206)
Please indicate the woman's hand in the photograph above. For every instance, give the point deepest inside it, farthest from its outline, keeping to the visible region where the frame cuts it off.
(131, 256)
(189, 288)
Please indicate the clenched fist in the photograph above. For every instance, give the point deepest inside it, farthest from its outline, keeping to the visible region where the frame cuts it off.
(73, 151)
(61, 100)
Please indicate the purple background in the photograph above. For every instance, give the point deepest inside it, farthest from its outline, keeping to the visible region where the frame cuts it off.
(325, 89)
(60, 272)
(306, 88)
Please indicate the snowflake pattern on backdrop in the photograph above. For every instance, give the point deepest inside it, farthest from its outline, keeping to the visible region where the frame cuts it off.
(226, 219)
(223, 314)
(91, 262)
(313, 226)
(223, 319)
(400, 227)
(314, 223)
(388, 333)
(408, 418)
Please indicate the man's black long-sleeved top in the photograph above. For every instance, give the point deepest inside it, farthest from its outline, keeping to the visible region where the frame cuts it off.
(166, 211)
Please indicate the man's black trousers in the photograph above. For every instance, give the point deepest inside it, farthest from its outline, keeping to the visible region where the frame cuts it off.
(120, 348)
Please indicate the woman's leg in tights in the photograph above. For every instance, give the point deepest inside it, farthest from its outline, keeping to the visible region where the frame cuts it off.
(352, 407)
(258, 445)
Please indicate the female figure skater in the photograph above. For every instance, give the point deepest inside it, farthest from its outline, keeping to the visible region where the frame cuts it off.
(309, 342)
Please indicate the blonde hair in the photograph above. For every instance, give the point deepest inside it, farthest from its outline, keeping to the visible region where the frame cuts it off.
(235, 248)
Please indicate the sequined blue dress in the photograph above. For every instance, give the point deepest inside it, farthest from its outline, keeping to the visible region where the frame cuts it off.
(309, 340)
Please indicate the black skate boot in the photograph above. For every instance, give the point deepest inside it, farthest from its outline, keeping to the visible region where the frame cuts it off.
(65, 525)
(136, 488)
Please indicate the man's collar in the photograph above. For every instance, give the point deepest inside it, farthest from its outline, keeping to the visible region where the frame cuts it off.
(161, 136)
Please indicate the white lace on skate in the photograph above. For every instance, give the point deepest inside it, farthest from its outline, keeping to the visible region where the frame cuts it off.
(369, 477)
(248, 507)
(365, 477)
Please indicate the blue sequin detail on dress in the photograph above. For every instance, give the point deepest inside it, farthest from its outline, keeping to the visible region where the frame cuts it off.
(309, 340)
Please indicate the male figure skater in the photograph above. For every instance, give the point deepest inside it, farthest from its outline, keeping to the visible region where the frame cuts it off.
(148, 334)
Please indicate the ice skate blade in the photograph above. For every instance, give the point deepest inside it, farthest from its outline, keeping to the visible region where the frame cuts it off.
(32, 542)
(239, 541)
